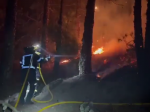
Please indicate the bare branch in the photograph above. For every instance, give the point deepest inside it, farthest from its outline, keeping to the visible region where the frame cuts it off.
(116, 3)
(26, 22)
(31, 18)
(50, 9)
(19, 39)
(64, 5)
(130, 41)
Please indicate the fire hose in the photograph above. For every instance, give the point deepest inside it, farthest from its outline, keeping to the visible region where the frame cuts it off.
(55, 104)
(65, 102)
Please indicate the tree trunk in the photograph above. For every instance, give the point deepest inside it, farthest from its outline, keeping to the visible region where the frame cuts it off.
(45, 19)
(77, 20)
(85, 53)
(138, 35)
(58, 42)
(147, 40)
(8, 48)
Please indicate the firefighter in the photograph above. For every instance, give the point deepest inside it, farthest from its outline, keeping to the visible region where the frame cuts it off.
(42, 60)
(29, 62)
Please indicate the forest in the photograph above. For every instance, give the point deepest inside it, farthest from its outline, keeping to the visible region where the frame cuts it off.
(104, 41)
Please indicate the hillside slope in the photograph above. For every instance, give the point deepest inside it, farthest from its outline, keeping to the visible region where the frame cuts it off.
(122, 86)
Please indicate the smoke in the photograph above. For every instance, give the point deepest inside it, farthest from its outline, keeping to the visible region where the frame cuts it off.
(113, 46)
(114, 19)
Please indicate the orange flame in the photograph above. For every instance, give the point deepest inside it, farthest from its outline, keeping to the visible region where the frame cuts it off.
(99, 51)
(65, 61)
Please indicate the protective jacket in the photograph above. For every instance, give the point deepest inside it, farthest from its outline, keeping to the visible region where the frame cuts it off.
(30, 59)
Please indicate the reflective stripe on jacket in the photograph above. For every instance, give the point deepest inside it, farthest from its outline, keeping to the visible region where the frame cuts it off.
(29, 61)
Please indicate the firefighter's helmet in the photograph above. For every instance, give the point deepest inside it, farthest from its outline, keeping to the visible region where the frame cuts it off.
(37, 48)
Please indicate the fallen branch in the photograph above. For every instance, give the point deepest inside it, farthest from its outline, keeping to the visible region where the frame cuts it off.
(6, 105)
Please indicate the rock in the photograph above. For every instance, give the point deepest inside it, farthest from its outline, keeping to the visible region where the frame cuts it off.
(87, 107)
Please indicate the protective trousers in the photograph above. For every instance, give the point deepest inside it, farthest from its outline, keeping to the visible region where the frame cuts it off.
(31, 80)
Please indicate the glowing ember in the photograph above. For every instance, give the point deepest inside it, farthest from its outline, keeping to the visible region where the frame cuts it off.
(65, 61)
(105, 61)
(96, 7)
(98, 76)
(99, 51)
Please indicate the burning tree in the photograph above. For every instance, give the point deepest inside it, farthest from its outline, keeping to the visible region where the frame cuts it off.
(8, 48)
(86, 50)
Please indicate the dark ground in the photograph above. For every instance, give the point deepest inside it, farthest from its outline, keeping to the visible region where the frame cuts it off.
(122, 86)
